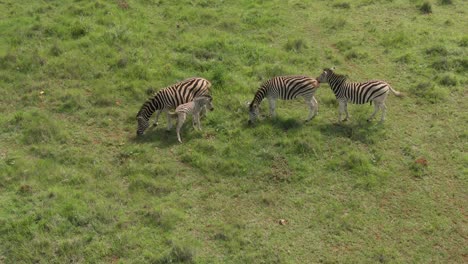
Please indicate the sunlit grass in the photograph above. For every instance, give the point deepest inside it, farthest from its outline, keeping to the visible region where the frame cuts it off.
(77, 186)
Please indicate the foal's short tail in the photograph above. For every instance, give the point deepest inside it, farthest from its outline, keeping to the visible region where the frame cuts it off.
(396, 93)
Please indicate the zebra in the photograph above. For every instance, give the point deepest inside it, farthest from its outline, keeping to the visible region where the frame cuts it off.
(169, 98)
(357, 92)
(194, 108)
(285, 88)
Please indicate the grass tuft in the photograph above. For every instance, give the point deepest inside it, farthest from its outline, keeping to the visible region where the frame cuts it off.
(429, 92)
(296, 45)
(437, 51)
(177, 254)
(426, 8)
(449, 79)
(446, 2)
(343, 5)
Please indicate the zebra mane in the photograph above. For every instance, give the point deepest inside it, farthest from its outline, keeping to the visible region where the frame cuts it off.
(338, 77)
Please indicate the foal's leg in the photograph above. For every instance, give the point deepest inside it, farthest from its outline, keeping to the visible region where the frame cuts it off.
(180, 122)
(196, 116)
(272, 103)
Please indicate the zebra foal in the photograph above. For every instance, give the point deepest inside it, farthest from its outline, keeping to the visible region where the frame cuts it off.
(357, 93)
(193, 108)
(169, 98)
(285, 88)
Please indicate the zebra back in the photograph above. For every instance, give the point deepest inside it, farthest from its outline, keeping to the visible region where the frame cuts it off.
(355, 92)
(286, 88)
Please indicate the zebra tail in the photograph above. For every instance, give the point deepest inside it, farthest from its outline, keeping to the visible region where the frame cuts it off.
(396, 93)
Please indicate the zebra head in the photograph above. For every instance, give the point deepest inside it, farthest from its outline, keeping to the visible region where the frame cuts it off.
(205, 100)
(253, 112)
(143, 124)
(323, 78)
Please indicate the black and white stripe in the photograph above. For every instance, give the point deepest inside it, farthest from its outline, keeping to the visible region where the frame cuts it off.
(285, 88)
(169, 98)
(357, 92)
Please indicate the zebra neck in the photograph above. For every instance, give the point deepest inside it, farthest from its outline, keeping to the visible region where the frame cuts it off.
(259, 96)
(336, 82)
(149, 107)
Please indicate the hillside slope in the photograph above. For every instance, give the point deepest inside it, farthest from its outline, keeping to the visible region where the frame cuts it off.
(77, 186)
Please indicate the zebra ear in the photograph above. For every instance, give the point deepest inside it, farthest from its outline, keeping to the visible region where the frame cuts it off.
(333, 68)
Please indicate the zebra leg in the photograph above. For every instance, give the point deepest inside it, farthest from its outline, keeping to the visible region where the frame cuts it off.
(272, 103)
(383, 107)
(180, 122)
(346, 111)
(376, 109)
(341, 109)
(169, 121)
(155, 123)
(313, 106)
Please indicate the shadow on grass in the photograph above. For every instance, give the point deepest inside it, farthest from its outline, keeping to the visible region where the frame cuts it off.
(362, 131)
(285, 124)
(160, 137)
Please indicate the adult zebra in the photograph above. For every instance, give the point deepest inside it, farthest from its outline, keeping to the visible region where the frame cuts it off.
(357, 92)
(285, 88)
(169, 98)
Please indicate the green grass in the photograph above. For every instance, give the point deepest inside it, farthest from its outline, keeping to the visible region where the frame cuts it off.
(77, 186)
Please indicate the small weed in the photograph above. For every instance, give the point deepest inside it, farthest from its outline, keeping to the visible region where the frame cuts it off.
(55, 50)
(405, 59)
(344, 45)
(177, 255)
(353, 54)
(419, 167)
(25, 189)
(463, 42)
(78, 30)
(397, 39)
(296, 45)
(344, 5)
(446, 2)
(448, 79)
(280, 171)
(334, 24)
(426, 8)
(122, 4)
(122, 62)
(429, 92)
(442, 64)
(437, 51)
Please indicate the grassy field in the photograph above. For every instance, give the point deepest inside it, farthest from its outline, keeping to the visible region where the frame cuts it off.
(76, 186)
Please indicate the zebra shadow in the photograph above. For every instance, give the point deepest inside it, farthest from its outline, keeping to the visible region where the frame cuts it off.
(159, 137)
(285, 124)
(362, 131)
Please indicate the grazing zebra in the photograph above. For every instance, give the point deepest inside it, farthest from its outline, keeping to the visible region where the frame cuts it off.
(194, 108)
(169, 98)
(357, 92)
(286, 88)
